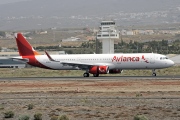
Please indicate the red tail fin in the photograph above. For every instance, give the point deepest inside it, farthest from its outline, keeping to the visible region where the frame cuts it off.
(25, 49)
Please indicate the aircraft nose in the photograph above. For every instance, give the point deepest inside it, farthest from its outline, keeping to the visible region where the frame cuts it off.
(171, 63)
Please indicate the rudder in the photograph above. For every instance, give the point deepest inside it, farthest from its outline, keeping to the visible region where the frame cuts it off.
(24, 47)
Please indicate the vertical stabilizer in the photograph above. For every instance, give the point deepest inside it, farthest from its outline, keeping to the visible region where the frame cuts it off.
(24, 47)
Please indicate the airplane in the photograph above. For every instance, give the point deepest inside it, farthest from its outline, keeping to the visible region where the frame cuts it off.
(95, 64)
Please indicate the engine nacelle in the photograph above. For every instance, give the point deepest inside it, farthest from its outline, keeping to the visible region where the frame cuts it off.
(99, 70)
(115, 71)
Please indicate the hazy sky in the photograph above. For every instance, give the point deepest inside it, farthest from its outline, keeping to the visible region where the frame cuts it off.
(9, 1)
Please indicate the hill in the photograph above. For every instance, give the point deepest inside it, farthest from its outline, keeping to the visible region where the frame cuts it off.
(40, 14)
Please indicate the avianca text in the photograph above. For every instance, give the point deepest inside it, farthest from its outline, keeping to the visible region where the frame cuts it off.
(125, 59)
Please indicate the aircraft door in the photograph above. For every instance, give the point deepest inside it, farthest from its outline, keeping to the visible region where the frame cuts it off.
(79, 59)
(152, 58)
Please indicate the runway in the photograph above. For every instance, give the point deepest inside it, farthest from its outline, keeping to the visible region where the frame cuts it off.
(100, 78)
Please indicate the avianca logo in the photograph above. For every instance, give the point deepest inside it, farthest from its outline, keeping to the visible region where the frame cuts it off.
(144, 59)
(128, 59)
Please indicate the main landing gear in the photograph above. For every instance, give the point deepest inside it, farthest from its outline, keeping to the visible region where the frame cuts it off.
(96, 75)
(87, 75)
(153, 72)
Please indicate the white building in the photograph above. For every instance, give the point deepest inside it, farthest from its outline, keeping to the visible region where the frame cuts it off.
(71, 39)
(130, 33)
(107, 32)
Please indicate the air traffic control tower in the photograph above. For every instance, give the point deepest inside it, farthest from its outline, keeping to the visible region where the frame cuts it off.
(107, 33)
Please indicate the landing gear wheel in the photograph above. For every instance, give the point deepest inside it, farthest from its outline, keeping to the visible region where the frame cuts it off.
(154, 74)
(96, 75)
(86, 74)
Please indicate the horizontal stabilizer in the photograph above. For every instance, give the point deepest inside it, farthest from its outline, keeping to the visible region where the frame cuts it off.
(25, 60)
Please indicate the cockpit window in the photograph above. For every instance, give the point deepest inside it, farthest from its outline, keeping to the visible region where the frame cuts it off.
(163, 58)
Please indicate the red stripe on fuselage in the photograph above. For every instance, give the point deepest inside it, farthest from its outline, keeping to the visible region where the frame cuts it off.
(34, 62)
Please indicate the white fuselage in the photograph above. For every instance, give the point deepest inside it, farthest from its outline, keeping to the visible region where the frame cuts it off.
(113, 61)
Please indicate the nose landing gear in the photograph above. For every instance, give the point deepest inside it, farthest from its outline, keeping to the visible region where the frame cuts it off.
(153, 72)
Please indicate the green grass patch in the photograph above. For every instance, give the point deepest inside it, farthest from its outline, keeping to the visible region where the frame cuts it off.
(39, 72)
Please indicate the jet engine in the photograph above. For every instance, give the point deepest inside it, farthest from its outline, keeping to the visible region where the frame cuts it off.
(99, 70)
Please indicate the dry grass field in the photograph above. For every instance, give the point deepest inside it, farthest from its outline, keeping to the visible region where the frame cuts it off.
(92, 100)
(54, 38)
(115, 99)
(50, 39)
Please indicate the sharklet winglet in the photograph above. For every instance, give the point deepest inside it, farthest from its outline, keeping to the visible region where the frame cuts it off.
(50, 58)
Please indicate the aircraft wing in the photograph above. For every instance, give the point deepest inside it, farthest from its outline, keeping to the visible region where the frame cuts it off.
(76, 64)
(81, 64)
(24, 60)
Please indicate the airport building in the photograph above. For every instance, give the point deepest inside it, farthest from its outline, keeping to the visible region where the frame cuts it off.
(107, 33)
(7, 62)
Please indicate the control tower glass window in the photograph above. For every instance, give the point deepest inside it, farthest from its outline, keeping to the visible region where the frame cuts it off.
(108, 23)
